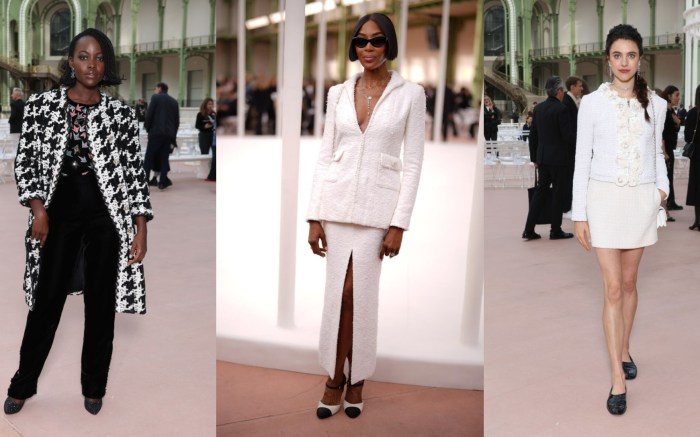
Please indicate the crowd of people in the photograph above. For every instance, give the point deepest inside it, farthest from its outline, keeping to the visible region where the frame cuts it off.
(261, 97)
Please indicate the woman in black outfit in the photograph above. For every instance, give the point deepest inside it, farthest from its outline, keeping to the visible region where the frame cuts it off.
(693, 196)
(670, 136)
(79, 170)
(205, 125)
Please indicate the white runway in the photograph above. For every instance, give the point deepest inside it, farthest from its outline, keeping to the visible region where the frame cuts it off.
(421, 292)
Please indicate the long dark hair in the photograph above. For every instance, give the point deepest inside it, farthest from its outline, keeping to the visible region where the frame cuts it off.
(625, 31)
(668, 92)
(111, 77)
(203, 106)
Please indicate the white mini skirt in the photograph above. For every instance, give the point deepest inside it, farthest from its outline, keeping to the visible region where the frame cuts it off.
(622, 217)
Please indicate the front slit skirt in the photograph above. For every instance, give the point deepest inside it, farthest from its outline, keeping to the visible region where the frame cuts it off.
(364, 244)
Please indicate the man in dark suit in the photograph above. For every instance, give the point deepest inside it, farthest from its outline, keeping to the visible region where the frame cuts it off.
(572, 98)
(162, 122)
(16, 111)
(551, 149)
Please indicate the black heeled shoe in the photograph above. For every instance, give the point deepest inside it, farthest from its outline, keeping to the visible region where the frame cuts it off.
(93, 406)
(324, 411)
(354, 410)
(12, 407)
(617, 404)
(629, 368)
(695, 227)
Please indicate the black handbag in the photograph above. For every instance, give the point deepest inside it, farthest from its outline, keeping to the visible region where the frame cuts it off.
(545, 214)
(689, 148)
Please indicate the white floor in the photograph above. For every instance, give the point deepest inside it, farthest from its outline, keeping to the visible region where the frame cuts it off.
(422, 291)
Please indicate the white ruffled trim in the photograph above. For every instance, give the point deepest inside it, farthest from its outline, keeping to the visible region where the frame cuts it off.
(630, 118)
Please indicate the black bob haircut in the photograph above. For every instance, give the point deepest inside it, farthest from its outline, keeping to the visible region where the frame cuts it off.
(111, 77)
(387, 28)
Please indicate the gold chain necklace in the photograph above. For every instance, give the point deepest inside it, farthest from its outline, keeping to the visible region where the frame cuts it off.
(369, 96)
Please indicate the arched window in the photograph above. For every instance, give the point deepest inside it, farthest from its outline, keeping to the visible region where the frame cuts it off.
(494, 31)
(60, 32)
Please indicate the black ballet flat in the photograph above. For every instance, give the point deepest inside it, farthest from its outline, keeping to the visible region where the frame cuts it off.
(629, 368)
(617, 404)
(12, 407)
(93, 406)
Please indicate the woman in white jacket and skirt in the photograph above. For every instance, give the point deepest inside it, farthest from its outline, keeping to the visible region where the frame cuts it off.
(363, 194)
(619, 183)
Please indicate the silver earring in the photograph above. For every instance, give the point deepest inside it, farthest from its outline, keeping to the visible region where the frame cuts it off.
(610, 72)
(72, 73)
(639, 67)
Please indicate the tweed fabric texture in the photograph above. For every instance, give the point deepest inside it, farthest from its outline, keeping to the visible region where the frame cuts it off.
(622, 217)
(113, 133)
(615, 144)
(364, 243)
(370, 178)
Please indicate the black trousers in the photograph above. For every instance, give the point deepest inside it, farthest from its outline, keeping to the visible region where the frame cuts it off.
(557, 176)
(206, 138)
(669, 171)
(212, 170)
(77, 227)
(158, 151)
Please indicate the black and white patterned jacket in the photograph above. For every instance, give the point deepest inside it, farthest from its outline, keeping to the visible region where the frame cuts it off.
(114, 142)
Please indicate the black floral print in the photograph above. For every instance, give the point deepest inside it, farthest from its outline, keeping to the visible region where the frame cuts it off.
(77, 157)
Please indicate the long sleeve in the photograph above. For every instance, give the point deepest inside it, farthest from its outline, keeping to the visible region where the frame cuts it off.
(584, 156)
(414, 141)
(137, 186)
(199, 122)
(691, 122)
(324, 156)
(662, 182)
(27, 167)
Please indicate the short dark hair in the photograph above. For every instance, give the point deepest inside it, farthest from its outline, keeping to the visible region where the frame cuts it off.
(387, 27)
(163, 86)
(571, 81)
(111, 77)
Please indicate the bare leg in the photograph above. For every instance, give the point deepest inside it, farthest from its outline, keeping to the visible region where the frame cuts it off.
(630, 267)
(344, 348)
(619, 268)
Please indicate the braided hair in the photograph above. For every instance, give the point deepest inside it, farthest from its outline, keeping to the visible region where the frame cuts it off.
(630, 33)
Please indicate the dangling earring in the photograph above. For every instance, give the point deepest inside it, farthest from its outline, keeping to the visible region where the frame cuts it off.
(610, 72)
(72, 73)
(639, 67)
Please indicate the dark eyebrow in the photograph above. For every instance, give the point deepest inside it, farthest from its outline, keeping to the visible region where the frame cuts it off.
(373, 35)
(621, 53)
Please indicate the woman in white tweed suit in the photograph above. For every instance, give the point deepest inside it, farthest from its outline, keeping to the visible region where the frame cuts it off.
(361, 203)
(619, 183)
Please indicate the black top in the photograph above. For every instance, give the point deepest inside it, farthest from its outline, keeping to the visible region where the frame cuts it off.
(163, 116)
(201, 120)
(670, 132)
(77, 158)
(551, 137)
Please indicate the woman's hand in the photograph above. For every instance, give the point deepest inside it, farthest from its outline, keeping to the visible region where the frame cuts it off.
(40, 225)
(583, 234)
(392, 242)
(662, 195)
(138, 247)
(315, 234)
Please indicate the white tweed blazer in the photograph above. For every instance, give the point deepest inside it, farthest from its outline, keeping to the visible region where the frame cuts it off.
(615, 144)
(363, 178)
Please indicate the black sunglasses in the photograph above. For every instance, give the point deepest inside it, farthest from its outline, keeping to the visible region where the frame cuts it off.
(377, 41)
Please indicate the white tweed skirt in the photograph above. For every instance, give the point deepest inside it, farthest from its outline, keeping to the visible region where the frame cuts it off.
(622, 217)
(364, 244)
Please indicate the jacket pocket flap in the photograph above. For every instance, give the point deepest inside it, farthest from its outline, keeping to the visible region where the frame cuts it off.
(391, 162)
(337, 155)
